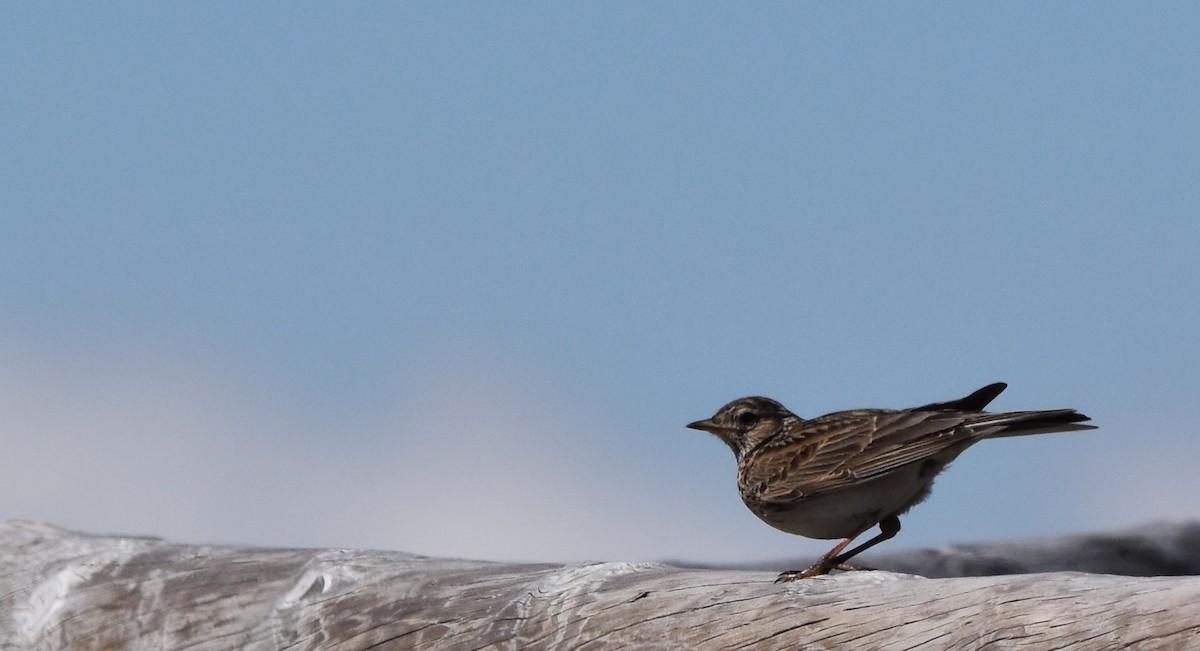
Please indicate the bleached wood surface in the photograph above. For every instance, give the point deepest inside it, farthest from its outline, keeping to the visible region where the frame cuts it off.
(66, 590)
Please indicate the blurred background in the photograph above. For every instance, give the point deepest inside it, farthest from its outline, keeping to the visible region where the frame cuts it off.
(450, 278)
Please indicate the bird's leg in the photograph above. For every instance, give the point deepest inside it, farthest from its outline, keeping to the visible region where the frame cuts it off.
(888, 528)
(822, 566)
(835, 559)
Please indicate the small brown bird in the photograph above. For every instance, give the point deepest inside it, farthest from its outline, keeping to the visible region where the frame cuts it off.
(841, 474)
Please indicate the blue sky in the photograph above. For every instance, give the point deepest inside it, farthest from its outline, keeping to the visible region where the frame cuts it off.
(450, 278)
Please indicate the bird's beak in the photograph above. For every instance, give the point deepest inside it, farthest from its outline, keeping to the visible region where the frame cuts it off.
(705, 425)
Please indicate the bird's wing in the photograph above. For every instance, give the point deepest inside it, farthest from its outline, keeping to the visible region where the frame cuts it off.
(837, 450)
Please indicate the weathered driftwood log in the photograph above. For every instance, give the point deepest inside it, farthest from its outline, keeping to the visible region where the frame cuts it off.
(65, 590)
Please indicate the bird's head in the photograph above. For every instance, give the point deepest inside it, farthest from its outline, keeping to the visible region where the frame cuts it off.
(745, 422)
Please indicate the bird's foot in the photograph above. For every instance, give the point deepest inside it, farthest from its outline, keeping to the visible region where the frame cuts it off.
(817, 569)
(791, 575)
(794, 575)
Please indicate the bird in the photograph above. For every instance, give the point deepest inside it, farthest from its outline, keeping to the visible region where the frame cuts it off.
(841, 474)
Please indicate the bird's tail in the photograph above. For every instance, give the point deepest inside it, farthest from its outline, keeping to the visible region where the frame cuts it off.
(977, 401)
(1021, 423)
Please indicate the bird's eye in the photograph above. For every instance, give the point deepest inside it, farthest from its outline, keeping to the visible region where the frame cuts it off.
(747, 419)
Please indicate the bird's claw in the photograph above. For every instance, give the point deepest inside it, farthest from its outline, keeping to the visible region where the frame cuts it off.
(819, 569)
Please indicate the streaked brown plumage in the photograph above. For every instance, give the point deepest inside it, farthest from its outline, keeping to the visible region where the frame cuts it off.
(838, 475)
